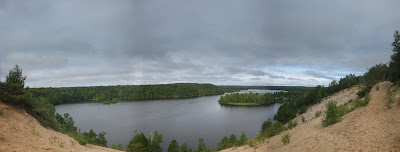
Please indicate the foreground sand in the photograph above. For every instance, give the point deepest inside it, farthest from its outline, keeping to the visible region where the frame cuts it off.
(20, 132)
(370, 128)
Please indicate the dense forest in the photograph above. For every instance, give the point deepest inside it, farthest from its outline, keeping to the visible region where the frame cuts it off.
(232, 88)
(124, 92)
(259, 98)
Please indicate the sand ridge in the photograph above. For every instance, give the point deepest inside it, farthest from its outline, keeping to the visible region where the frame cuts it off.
(369, 128)
(20, 132)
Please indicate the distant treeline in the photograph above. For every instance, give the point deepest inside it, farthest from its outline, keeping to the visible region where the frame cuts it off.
(260, 98)
(286, 88)
(125, 92)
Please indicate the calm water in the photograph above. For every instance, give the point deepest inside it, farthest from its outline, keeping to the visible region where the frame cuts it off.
(180, 119)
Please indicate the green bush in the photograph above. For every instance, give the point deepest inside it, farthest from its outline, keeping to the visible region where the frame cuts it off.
(1, 111)
(118, 147)
(390, 95)
(303, 119)
(342, 110)
(291, 124)
(317, 114)
(285, 138)
(332, 114)
(364, 91)
(377, 88)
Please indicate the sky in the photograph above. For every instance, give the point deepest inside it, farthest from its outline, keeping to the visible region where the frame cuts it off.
(223, 42)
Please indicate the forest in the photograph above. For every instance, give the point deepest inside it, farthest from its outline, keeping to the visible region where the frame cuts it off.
(124, 92)
(259, 98)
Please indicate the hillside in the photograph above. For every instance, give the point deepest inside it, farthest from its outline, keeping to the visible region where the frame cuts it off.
(20, 132)
(370, 128)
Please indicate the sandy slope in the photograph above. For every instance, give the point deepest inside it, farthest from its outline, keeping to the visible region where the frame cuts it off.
(21, 133)
(370, 128)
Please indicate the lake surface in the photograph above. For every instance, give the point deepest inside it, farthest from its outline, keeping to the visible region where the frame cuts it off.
(180, 119)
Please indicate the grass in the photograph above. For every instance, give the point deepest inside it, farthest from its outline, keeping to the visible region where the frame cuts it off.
(390, 95)
(285, 139)
(317, 114)
(34, 131)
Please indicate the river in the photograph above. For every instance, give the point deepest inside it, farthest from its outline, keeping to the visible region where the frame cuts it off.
(180, 119)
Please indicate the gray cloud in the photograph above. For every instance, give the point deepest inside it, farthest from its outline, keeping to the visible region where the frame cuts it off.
(76, 43)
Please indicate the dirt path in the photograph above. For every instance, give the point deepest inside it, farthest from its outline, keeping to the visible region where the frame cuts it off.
(370, 128)
(21, 132)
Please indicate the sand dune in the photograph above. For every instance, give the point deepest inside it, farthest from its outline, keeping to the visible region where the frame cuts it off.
(370, 128)
(20, 132)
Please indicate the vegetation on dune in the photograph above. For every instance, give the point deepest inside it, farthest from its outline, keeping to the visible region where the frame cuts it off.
(285, 139)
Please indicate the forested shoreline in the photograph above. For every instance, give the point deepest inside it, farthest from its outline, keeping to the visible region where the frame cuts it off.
(257, 99)
(125, 92)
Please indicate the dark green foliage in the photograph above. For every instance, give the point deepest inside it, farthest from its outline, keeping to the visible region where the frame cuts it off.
(44, 112)
(291, 124)
(13, 92)
(286, 88)
(242, 140)
(274, 129)
(232, 140)
(259, 99)
(224, 144)
(394, 64)
(266, 125)
(303, 119)
(202, 146)
(66, 123)
(155, 141)
(375, 74)
(185, 148)
(1, 111)
(142, 144)
(364, 91)
(390, 95)
(173, 146)
(95, 139)
(332, 114)
(126, 92)
(137, 144)
(317, 114)
(118, 147)
(285, 138)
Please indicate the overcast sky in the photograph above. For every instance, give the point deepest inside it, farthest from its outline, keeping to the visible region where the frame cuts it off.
(223, 42)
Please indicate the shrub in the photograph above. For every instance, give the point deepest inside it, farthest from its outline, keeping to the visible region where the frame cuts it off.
(285, 138)
(242, 140)
(332, 115)
(390, 95)
(377, 88)
(118, 147)
(1, 111)
(291, 124)
(342, 110)
(303, 119)
(317, 114)
(364, 91)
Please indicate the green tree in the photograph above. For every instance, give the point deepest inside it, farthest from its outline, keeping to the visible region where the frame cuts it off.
(242, 140)
(173, 146)
(155, 141)
(12, 90)
(394, 64)
(223, 144)
(202, 146)
(117, 147)
(137, 144)
(332, 115)
(184, 147)
(232, 140)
